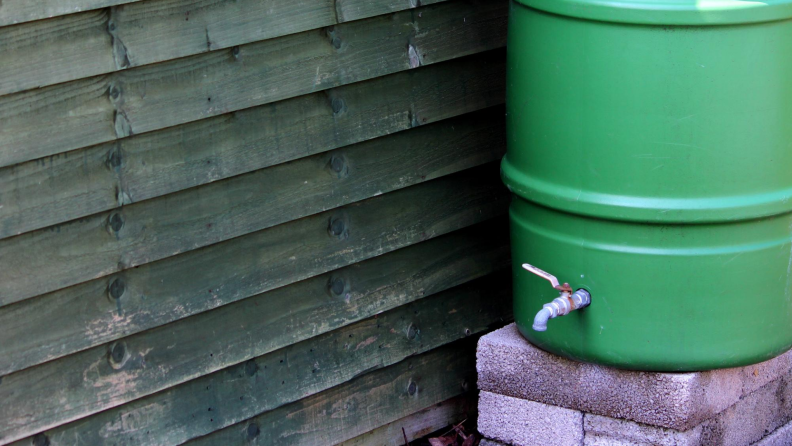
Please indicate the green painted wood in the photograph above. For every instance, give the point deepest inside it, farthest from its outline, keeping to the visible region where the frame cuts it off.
(156, 360)
(148, 98)
(179, 28)
(360, 405)
(75, 184)
(419, 424)
(233, 270)
(141, 33)
(359, 9)
(58, 50)
(73, 315)
(20, 11)
(154, 229)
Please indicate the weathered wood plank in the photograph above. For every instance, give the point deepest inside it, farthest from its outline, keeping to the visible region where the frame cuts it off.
(179, 28)
(154, 229)
(71, 316)
(143, 33)
(419, 424)
(57, 50)
(360, 405)
(144, 99)
(157, 360)
(64, 187)
(359, 9)
(20, 11)
(162, 292)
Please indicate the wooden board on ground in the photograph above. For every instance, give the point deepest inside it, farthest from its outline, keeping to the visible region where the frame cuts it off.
(419, 424)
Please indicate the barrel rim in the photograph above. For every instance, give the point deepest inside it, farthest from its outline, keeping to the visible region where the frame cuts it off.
(692, 210)
(668, 12)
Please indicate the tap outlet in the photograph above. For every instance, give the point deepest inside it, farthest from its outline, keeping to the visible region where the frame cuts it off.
(562, 305)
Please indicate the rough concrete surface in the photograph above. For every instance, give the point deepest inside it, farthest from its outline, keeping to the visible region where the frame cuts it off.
(609, 441)
(781, 437)
(749, 420)
(602, 431)
(527, 423)
(753, 417)
(508, 365)
(488, 442)
(764, 413)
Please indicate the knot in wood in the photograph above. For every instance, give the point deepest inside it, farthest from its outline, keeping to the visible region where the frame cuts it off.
(117, 288)
(253, 430)
(115, 222)
(337, 286)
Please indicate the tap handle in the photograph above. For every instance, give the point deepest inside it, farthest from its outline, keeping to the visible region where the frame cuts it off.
(547, 276)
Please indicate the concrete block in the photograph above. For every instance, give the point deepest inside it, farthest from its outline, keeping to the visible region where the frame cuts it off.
(602, 431)
(488, 442)
(757, 375)
(508, 365)
(746, 422)
(780, 437)
(527, 423)
(753, 417)
(597, 440)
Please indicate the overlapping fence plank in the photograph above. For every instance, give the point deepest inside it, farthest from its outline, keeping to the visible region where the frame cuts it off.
(62, 49)
(226, 272)
(102, 41)
(20, 11)
(149, 98)
(37, 194)
(419, 424)
(73, 315)
(359, 9)
(102, 244)
(360, 405)
(191, 190)
(112, 39)
(159, 359)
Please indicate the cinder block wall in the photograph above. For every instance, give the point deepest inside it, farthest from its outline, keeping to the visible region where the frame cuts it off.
(235, 222)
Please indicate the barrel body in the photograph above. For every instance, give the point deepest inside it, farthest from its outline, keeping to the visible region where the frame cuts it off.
(650, 158)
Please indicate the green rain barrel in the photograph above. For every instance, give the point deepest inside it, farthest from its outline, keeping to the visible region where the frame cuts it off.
(650, 161)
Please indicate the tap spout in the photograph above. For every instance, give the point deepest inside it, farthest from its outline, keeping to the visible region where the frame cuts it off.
(540, 321)
(560, 306)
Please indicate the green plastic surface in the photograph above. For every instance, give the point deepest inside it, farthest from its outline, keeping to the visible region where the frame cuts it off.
(669, 12)
(652, 166)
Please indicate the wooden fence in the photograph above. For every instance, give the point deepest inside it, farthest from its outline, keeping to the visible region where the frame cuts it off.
(245, 222)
